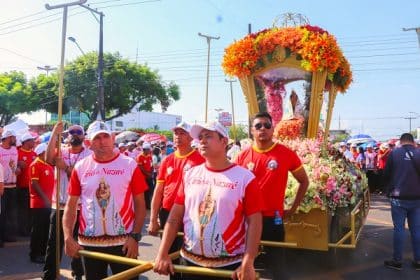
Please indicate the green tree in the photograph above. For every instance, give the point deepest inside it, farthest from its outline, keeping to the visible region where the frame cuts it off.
(14, 96)
(126, 85)
(239, 131)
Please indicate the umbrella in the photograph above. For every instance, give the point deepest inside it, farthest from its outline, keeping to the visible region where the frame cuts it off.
(45, 137)
(364, 145)
(360, 138)
(152, 137)
(126, 136)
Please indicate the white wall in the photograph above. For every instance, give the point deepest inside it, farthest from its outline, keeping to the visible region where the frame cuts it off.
(141, 119)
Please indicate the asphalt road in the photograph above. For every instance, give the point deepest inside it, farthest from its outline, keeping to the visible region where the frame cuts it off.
(364, 262)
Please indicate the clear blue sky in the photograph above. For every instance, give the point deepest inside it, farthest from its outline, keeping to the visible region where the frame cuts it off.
(385, 60)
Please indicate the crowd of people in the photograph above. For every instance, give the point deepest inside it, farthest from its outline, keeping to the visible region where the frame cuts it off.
(371, 159)
(204, 186)
(224, 198)
(393, 168)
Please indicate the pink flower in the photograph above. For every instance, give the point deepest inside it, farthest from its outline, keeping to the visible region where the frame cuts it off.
(331, 185)
(336, 197)
(318, 200)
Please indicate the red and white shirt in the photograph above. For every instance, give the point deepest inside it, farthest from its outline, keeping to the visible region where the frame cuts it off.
(28, 157)
(9, 158)
(44, 174)
(171, 172)
(70, 159)
(271, 168)
(106, 191)
(216, 206)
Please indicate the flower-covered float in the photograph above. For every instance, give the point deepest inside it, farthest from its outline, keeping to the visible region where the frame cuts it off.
(266, 63)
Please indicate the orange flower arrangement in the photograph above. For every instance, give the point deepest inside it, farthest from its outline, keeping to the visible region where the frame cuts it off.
(316, 48)
(289, 129)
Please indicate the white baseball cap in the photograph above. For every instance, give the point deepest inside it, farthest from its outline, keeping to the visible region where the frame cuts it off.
(97, 127)
(146, 146)
(212, 126)
(121, 145)
(7, 133)
(183, 125)
(41, 148)
(26, 136)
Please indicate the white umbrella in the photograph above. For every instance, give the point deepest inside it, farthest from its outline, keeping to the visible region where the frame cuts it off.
(126, 136)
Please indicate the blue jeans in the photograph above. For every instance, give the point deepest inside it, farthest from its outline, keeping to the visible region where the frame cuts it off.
(400, 211)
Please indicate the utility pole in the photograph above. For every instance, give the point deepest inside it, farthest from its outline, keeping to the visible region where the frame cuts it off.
(409, 120)
(100, 115)
(417, 29)
(208, 38)
(65, 7)
(47, 69)
(233, 111)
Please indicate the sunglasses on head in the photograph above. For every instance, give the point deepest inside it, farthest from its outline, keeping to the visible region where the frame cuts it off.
(75, 132)
(266, 125)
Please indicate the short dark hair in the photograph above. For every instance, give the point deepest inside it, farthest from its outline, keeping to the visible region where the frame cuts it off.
(407, 137)
(262, 115)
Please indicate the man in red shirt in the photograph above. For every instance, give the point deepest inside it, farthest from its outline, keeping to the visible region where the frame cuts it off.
(271, 162)
(145, 163)
(26, 156)
(41, 189)
(219, 205)
(383, 154)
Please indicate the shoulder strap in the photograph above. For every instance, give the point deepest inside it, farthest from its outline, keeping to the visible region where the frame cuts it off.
(412, 160)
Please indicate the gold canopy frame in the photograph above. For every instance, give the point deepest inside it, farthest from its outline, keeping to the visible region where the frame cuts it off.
(317, 90)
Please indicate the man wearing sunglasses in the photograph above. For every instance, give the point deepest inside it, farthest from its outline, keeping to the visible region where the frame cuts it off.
(64, 163)
(271, 162)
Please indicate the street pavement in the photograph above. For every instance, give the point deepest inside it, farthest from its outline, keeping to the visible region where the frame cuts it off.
(364, 262)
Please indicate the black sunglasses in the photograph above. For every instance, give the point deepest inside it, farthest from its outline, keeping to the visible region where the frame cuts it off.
(75, 132)
(266, 125)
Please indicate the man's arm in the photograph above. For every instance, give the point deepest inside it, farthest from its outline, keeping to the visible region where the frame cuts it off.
(69, 219)
(302, 178)
(387, 176)
(51, 154)
(163, 263)
(155, 207)
(253, 236)
(37, 187)
(52, 143)
(131, 247)
(145, 173)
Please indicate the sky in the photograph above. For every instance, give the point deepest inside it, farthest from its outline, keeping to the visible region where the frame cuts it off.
(164, 34)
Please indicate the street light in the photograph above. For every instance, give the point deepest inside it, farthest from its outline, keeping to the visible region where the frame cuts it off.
(208, 38)
(77, 44)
